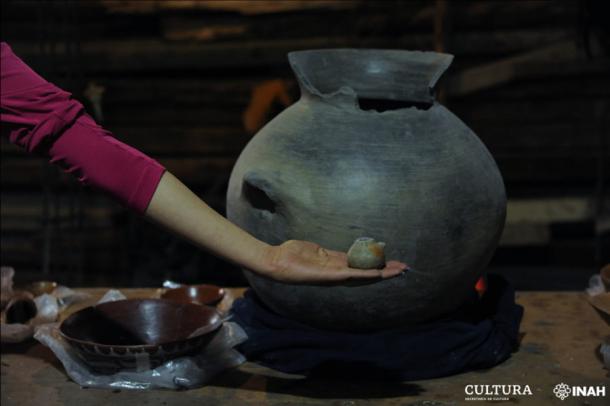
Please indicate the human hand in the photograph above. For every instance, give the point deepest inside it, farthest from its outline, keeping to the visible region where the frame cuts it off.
(306, 262)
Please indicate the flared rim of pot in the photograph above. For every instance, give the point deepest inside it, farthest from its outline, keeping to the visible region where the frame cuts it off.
(385, 74)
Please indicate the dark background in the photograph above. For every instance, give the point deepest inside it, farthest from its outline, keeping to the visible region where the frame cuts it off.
(189, 82)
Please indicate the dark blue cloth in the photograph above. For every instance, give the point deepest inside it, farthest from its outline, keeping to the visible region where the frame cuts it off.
(482, 334)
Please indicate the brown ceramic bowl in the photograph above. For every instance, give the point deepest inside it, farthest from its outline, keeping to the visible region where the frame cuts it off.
(138, 334)
(200, 294)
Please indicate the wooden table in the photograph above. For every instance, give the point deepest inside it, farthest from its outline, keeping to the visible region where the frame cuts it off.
(561, 334)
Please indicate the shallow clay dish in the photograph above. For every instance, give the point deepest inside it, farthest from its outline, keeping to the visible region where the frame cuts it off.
(200, 294)
(138, 334)
(20, 309)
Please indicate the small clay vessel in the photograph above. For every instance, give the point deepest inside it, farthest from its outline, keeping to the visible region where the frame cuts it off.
(20, 309)
(366, 253)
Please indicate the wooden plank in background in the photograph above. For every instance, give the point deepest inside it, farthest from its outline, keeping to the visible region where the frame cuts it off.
(537, 169)
(168, 90)
(163, 141)
(561, 58)
(514, 113)
(500, 14)
(157, 55)
(561, 138)
(101, 250)
(193, 171)
(482, 13)
(195, 116)
(240, 6)
(184, 141)
(573, 87)
(24, 211)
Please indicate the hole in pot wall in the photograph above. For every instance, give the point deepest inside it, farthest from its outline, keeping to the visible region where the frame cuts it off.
(257, 197)
(381, 105)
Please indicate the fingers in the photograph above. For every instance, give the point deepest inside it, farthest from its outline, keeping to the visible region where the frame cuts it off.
(337, 254)
(391, 272)
(309, 275)
(396, 264)
(392, 269)
(370, 274)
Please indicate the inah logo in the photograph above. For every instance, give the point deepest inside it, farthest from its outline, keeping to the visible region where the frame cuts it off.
(562, 391)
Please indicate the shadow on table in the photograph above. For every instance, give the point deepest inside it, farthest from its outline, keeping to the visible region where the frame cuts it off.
(18, 348)
(32, 348)
(325, 383)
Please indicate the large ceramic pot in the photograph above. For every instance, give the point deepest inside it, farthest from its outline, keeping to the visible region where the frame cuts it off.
(328, 170)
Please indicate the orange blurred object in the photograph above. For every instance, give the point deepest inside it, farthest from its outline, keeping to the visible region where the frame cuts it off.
(481, 286)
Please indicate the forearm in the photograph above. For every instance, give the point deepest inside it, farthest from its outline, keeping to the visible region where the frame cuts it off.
(41, 118)
(179, 210)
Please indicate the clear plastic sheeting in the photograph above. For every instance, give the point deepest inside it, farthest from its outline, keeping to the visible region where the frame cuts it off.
(48, 309)
(596, 286)
(598, 296)
(171, 284)
(111, 296)
(604, 350)
(66, 296)
(180, 373)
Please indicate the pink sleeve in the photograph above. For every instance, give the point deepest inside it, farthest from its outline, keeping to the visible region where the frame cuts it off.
(44, 119)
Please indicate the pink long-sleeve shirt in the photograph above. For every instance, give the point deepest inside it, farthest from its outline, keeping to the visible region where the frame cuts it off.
(46, 120)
